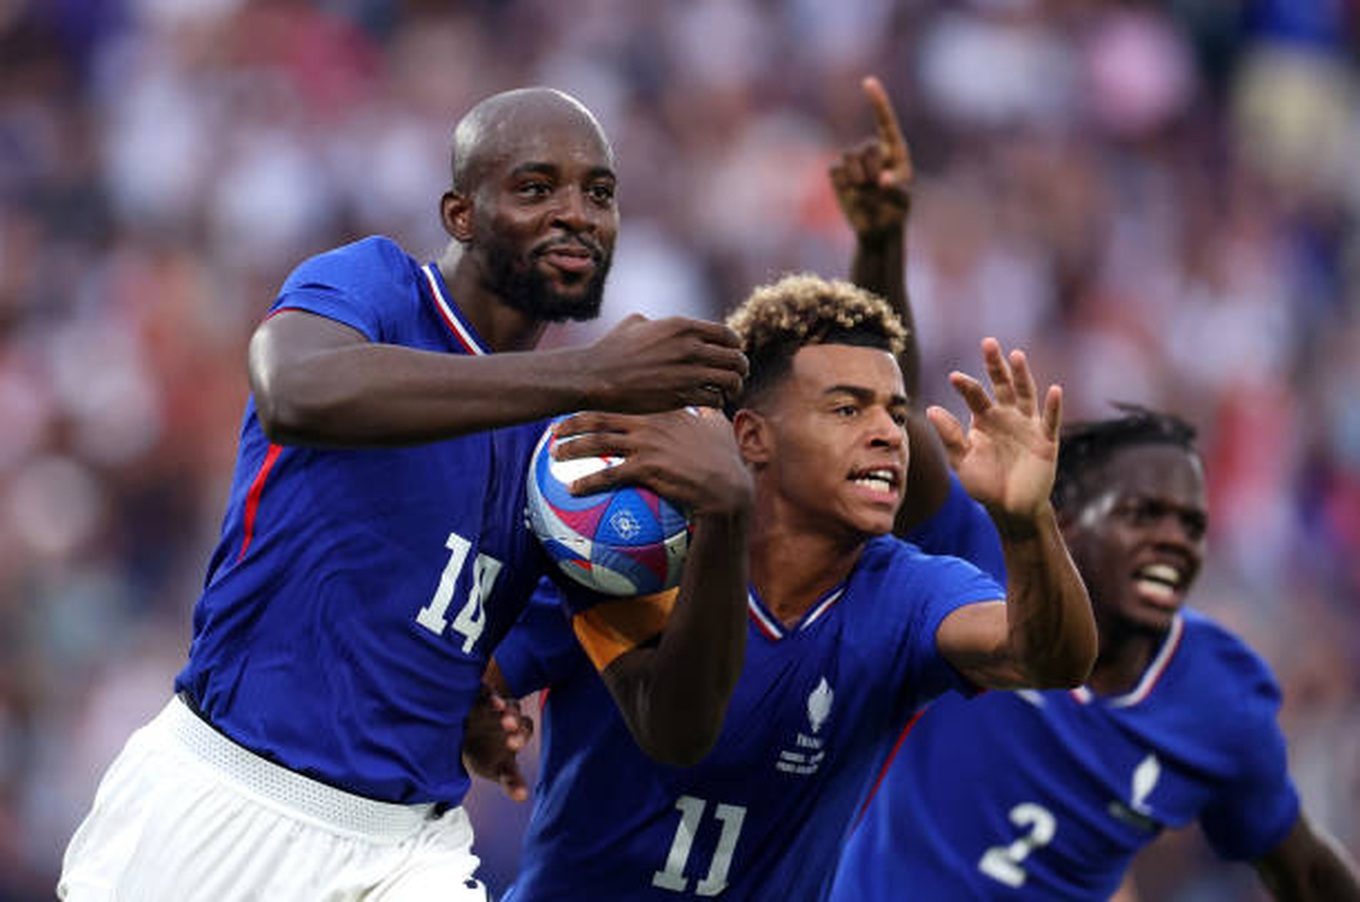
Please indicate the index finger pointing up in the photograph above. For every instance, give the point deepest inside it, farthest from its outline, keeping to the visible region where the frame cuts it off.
(889, 132)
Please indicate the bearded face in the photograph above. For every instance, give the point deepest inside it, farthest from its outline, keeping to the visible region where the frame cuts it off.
(559, 278)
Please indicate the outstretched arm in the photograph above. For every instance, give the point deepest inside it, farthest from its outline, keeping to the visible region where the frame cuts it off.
(319, 382)
(1309, 865)
(673, 685)
(1044, 635)
(873, 183)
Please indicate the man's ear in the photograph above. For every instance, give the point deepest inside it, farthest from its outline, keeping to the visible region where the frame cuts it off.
(752, 432)
(455, 211)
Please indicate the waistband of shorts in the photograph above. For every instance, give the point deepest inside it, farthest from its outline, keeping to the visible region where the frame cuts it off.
(289, 788)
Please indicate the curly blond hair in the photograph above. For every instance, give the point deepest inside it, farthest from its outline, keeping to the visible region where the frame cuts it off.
(780, 317)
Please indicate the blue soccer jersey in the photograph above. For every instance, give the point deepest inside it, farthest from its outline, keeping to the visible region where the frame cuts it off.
(1049, 795)
(354, 596)
(962, 528)
(763, 815)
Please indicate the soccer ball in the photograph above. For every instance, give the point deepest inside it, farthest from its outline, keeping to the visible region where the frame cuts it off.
(627, 541)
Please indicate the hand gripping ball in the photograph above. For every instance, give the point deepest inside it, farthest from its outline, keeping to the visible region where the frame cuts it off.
(626, 541)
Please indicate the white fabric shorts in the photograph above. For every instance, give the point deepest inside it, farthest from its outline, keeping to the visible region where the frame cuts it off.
(185, 814)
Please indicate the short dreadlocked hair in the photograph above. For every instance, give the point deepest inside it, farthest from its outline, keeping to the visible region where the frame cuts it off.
(1086, 447)
(801, 309)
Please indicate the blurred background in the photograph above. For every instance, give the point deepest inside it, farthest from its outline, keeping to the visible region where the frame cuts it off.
(1159, 200)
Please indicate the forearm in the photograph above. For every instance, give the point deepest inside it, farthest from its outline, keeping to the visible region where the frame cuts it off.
(1310, 865)
(382, 395)
(674, 696)
(1326, 881)
(879, 265)
(1051, 631)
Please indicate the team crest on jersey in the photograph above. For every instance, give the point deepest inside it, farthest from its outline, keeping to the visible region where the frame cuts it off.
(1136, 811)
(809, 746)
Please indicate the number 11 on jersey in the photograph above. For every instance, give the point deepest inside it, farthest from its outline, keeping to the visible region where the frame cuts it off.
(672, 876)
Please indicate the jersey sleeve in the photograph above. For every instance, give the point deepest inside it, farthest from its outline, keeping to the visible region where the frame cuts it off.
(541, 649)
(608, 626)
(616, 626)
(1252, 813)
(351, 284)
(931, 587)
(962, 528)
(966, 585)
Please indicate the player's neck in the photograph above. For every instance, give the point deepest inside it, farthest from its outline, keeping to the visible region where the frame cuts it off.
(1122, 662)
(501, 326)
(791, 570)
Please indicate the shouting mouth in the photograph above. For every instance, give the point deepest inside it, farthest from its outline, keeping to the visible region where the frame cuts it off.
(1160, 584)
(884, 482)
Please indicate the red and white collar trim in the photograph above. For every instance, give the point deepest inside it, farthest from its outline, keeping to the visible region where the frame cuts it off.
(452, 316)
(1154, 673)
(770, 626)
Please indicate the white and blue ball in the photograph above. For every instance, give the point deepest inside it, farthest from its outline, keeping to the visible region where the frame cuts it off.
(626, 541)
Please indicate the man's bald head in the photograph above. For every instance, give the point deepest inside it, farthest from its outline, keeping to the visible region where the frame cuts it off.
(502, 120)
(532, 204)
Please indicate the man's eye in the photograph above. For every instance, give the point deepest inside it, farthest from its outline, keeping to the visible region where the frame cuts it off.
(1134, 513)
(602, 194)
(1195, 526)
(535, 189)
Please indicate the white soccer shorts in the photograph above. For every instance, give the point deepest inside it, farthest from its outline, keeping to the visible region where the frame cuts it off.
(184, 814)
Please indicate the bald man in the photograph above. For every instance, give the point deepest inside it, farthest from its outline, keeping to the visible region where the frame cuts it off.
(373, 551)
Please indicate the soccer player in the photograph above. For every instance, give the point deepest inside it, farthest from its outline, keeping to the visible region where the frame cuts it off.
(1050, 795)
(373, 550)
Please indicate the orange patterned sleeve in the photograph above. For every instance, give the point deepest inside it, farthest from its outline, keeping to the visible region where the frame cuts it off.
(613, 628)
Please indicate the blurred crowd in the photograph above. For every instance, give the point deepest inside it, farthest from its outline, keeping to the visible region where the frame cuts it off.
(1160, 200)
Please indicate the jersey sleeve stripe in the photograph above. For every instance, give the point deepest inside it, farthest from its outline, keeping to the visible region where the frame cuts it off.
(253, 498)
(887, 763)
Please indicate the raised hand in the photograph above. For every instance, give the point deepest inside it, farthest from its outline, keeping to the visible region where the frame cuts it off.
(688, 457)
(1008, 455)
(873, 179)
(644, 366)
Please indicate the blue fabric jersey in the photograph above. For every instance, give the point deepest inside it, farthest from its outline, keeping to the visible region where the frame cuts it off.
(962, 528)
(763, 815)
(1048, 795)
(354, 596)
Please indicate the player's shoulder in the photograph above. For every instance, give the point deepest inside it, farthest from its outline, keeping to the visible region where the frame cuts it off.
(892, 560)
(366, 259)
(1211, 643)
(884, 554)
(1227, 676)
(890, 552)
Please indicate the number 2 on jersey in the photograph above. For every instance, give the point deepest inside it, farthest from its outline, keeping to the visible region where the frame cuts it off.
(672, 877)
(1005, 863)
(471, 617)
